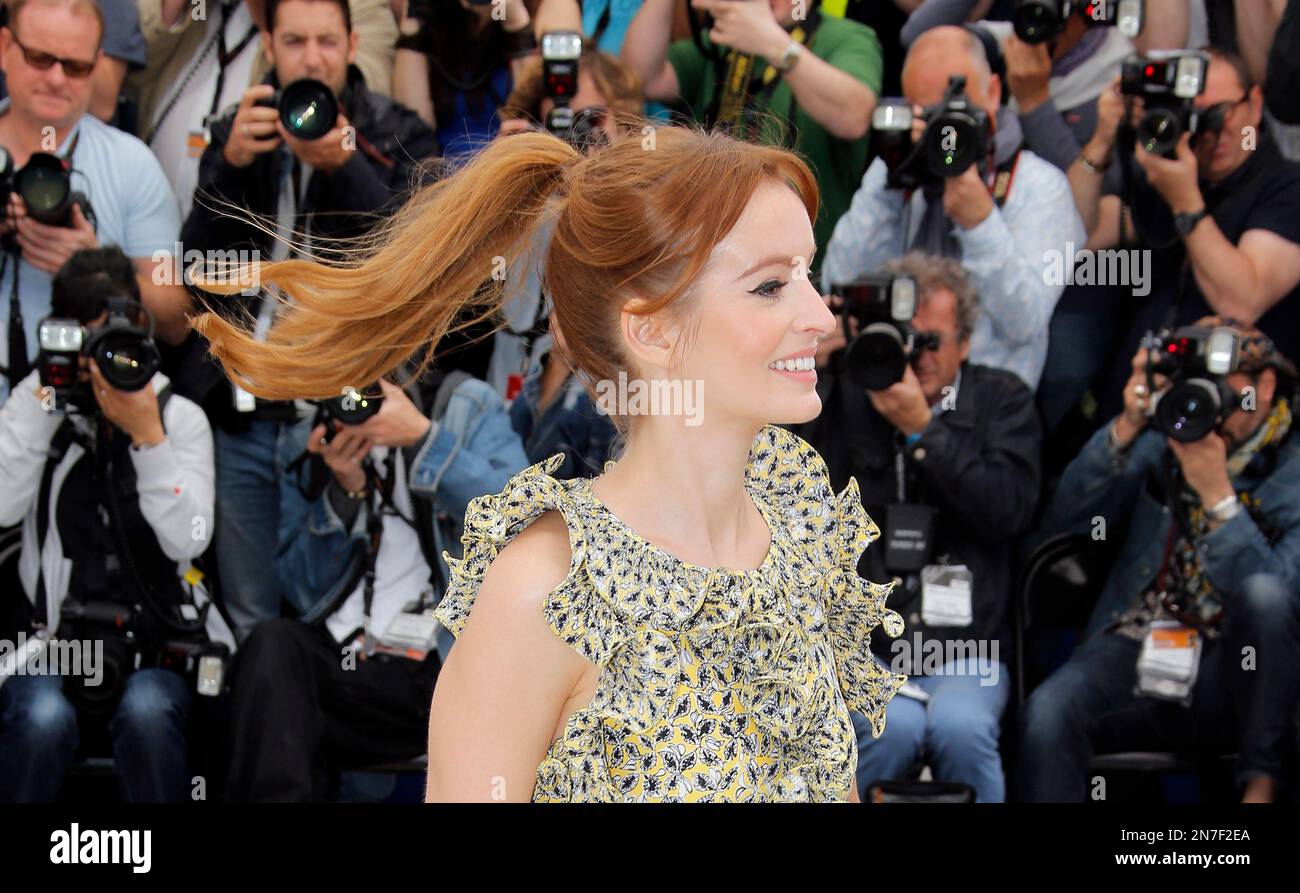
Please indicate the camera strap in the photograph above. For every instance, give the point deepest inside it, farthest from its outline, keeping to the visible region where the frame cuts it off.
(19, 361)
(736, 97)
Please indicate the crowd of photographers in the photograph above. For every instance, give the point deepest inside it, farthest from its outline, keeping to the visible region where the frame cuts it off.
(1065, 267)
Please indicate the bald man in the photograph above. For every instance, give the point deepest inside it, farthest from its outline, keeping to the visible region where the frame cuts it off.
(1004, 237)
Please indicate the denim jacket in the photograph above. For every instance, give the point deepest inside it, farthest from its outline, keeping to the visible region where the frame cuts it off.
(1099, 484)
(470, 450)
(571, 425)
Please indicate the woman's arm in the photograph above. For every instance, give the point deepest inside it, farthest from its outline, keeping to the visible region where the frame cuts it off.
(501, 692)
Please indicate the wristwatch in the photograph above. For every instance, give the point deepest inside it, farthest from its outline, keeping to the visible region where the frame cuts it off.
(790, 57)
(1185, 223)
(1225, 509)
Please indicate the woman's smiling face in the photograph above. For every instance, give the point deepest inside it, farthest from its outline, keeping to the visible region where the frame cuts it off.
(756, 317)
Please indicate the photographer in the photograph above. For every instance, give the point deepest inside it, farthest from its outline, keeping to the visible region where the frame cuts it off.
(1000, 216)
(354, 560)
(456, 60)
(315, 191)
(947, 457)
(1213, 547)
(202, 59)
(1219, 217)
(116, 193)
(816, 79)
(115, 496)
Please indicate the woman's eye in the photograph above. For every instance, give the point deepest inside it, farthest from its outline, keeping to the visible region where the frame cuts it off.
(769, 289)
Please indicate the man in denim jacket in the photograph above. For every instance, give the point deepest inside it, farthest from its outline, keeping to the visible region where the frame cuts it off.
(310, 690)
(1213, 544)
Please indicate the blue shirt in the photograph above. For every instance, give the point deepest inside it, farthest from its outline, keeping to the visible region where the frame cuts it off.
(134, 209)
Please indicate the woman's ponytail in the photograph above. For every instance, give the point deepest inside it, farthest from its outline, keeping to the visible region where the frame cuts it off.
(438, 263)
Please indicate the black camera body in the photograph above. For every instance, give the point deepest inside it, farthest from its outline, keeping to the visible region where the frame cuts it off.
(128, 647)
(45, 185)
(1197, 361)
(350, 408)
(957, 134)
(1038, 21)
(307, 107)
(883, 304)
(1168, 83)
(124, 352)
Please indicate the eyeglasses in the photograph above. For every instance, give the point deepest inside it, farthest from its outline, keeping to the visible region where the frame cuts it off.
(43, 61)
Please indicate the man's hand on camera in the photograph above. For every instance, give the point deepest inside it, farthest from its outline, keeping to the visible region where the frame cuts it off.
(966, 200)
(1029, 72)
(1110, 113)
(49, 247)
(343, 454)
(254, 130)
(327, 154)
(747, 26)
(1174, 179)
(1137, 398)
(903, 404)
(135, 412)
(1205, 467)
(398, 423)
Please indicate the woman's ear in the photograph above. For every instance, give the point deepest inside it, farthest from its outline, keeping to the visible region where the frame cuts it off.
(649, 337)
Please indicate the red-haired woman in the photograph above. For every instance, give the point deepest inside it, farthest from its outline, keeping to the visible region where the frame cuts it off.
(690, 625)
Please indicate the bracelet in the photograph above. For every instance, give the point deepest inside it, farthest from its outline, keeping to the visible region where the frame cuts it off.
(1113, 439)
(1094, 168)
(355, 495)
(1225, 509)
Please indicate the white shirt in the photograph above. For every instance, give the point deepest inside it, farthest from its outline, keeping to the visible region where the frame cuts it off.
(400, 570)
(188, 115)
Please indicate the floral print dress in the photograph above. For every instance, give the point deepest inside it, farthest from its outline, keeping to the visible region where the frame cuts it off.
(714, 684)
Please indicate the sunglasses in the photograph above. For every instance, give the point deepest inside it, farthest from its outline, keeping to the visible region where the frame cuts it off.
(43, 61)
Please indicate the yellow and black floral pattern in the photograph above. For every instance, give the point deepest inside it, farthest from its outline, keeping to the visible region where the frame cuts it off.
(715, 684)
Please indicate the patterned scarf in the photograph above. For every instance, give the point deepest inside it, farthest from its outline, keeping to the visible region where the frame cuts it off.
(1196, 600)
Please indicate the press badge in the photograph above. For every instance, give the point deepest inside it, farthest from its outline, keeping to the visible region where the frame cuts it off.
(1169, 661)
(244, 401)
(946, 595)
(196, 143)
(409, 635)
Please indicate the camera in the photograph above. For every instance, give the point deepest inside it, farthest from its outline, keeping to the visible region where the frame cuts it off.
(1038, 21)
(350, 408)
(883, 305)
(1197, 361)
(126, 647)
(957, 134)
(45, 185)
(560, 53)
(1168, 82)
(307, 108)
(124, 352)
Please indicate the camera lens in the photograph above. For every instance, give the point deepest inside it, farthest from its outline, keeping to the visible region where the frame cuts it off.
(877, 358)
(308, 109)
(127, 360)
(1188, 411)
(45, 188)
(952, 144)
(1035, 21)
(355, 408)
(1159, 130)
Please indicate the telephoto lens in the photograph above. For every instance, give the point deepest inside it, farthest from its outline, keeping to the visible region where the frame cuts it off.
(1038, 21)
(46, 189)
(307, 109)
(123, 351)
(355, 406)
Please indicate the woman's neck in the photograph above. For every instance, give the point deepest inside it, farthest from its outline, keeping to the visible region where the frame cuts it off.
(683, 489)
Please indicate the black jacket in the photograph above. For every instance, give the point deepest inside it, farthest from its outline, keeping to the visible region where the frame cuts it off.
(977, 464)
(393, 151)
